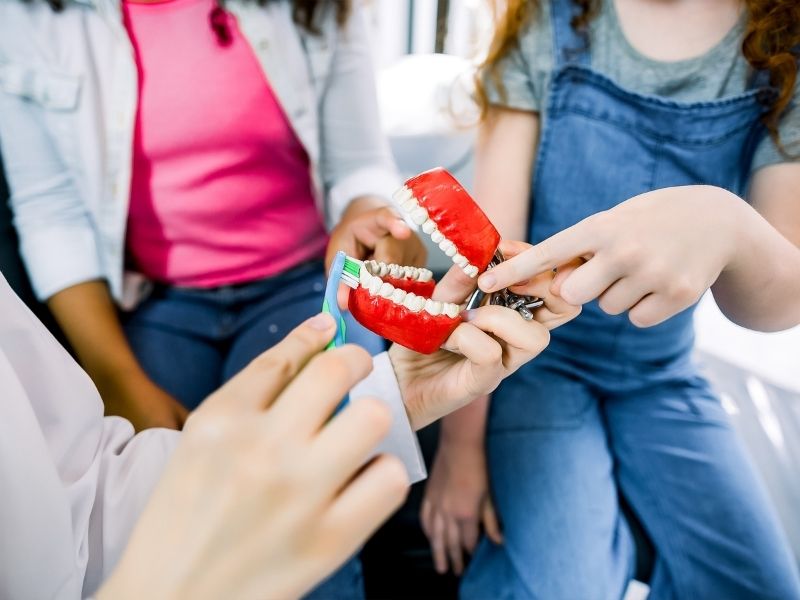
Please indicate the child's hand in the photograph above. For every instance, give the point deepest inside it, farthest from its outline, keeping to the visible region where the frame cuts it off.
(555, 311)
(457, 502)
(653, 255)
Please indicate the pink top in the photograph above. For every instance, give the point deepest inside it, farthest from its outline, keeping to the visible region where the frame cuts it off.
(221, 190)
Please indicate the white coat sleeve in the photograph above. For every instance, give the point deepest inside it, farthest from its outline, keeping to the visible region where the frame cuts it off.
(402, 442)
(73, 482)
(355, 156)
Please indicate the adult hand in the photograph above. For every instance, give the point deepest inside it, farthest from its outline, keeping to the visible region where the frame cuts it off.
(266, 493)
(137, 398)
(493, 343)
(370, 229)
(456, 503)
(653, 255)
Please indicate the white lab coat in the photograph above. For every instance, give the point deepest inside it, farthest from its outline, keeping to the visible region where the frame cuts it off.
(72, 482)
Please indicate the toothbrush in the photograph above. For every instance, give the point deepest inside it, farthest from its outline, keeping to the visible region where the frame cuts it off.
(343, 270)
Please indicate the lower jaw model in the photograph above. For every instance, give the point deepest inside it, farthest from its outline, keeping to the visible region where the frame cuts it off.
(395, 301)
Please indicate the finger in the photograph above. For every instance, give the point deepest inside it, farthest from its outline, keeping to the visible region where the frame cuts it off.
(623, 295)
(474, 344)
(407, 252)
(425, 514)
(455, 286)
(260, 382)
(562, 273)
(311, 397)
(490, 523)
(590, 280)
(377, 492)
(578, 240)
(653, 310)
(454, 547)
(438, 543)
(379, 224)
(521, 339)
(349, 440)
(469, 534)
(510, 248)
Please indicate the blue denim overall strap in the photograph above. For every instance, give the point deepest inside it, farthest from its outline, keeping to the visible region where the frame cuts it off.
(601, 145)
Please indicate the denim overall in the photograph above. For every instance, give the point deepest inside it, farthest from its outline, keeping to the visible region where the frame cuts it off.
(609, 409)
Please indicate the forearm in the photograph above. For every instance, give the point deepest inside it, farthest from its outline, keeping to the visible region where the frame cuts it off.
(467, 425)
(760, 288)
(87, 315)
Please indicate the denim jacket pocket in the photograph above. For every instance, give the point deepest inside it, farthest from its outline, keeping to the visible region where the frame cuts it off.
(52, 91)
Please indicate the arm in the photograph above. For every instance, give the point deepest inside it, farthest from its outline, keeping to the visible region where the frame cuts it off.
(764, 271)
(355, 158)
(58, 242)
(88, 317)
(357, 168)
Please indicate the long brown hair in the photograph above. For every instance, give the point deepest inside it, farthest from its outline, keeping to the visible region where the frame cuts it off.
(305, 12)
(771, 43)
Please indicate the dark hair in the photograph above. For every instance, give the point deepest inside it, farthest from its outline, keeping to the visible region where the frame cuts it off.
(305, 13)
(771, 43)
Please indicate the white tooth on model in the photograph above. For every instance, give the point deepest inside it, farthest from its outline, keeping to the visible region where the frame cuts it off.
(398, 296)
(437, 237)
(402, 195)
(471, 270)
(433, 307)
(425, 275)
(407, 272)
(450, 309)
(394, 271)
(429, 226)
(419, 304)
(409, 205)
(384, 270)
(410, 302)
(460, 260)
(386, 290)
(363, 276)
(419, 215)
(374, 286)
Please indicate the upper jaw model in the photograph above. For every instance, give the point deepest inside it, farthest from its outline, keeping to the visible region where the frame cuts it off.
(395, 301)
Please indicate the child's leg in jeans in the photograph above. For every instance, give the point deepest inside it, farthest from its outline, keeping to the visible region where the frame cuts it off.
(552, 479)
(686, 475)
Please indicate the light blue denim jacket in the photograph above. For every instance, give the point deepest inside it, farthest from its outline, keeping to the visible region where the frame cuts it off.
(68, 99)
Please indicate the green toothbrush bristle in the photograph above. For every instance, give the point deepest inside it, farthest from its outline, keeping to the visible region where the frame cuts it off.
(352, 266)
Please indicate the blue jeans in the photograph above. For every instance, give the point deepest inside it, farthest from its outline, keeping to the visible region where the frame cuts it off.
(561, 455)
(191, 341)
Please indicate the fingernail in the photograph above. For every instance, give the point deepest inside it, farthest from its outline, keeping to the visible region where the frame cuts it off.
(321, 322)
(487, 282)
(469, 315)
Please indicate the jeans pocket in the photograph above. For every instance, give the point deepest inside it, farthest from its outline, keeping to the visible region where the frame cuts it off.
(546, 401)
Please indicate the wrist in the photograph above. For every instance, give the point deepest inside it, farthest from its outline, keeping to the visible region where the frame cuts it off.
(733, 215)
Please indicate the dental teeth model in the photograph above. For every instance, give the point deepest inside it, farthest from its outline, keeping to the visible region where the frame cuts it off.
(395, 301)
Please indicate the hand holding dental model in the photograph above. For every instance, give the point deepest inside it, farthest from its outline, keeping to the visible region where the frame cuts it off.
(396, 301)
(656, 254)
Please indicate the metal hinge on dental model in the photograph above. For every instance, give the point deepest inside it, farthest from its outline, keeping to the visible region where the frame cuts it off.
(524, 305)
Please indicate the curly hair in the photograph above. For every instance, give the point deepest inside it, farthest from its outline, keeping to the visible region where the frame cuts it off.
(771, 43)
(305, 13)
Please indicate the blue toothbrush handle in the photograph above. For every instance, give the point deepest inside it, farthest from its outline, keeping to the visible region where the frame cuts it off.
(331, 305)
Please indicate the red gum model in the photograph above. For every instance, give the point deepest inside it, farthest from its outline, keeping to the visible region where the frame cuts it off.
(394, 301)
